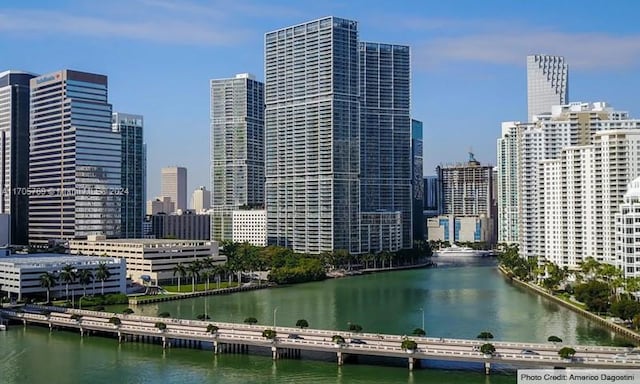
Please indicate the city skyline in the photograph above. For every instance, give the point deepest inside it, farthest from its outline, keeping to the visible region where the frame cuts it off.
(464, 63)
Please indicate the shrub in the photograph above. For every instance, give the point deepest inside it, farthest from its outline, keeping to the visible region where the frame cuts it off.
(302, 323)
(419, 332)
(164, 314)
(567, 352)
(212, 328)
(554, 339)
(355, 328)
(202, 316)
(251, 320)
(115, 320)
(338, 339)
(160, 325)
(408, 344)
(269, 334)
(488, 349)
(127, 311)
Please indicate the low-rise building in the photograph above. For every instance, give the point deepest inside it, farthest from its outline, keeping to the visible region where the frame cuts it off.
(149, 260)
(20, 274)
(240, 225)
(183, 225)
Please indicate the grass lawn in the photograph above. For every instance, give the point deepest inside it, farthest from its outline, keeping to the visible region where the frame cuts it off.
(186, 286)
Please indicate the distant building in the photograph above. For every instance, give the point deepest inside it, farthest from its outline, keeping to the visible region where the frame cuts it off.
(627, 226)
(507, 181)
(250, 226)
(134, 172)
(174, 186)
(456, 229)
(149, 259)
(75, 159)
(187, 225)
(5, 230)
(161, 204)
(14, 152)
(547, 83)
(201, 199)
(20, 274)
(431, 198)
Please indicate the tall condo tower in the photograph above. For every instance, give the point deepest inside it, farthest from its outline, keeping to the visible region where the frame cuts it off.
(312, 132)
(174, 185)
(547, 83)
(134, 172)
(14, 147)
(417, 180)
(385, 132)
(237, 142)
(75, 158)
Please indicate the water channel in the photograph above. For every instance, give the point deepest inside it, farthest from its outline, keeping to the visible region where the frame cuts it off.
(459, 299)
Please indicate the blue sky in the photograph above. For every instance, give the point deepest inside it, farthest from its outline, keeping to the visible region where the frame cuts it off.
(468, 59)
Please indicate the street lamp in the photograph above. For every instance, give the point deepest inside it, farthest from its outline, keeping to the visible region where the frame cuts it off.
(422, 309)
(274, 317)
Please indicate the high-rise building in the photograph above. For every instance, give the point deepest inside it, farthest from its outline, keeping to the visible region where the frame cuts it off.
(161, 204)
(385, 133)
(75, 158)
(567, 162)
(507, 180)
(312, 128)
(627, 225)
(134, 172)
(201, 199)
(431, 195)
(237, 142)
(417, 180)
(547, 83)
(174, 185)
(14, 148)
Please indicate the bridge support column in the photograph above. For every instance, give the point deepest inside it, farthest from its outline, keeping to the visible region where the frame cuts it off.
(411, 361)
(81, 332)
(50, 327)
(274, 353)
(487, 368)
(340, 359)
(119, 337)
(164, 342)
(215, 347)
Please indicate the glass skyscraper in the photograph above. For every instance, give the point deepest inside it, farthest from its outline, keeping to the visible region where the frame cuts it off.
(385, 132)
(312, 129)
(417, 182)
(14, 152)
(75, 159)
(134, 172)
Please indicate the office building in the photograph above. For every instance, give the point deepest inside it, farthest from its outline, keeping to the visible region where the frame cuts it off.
(312, 129)
(417, 180)
(507, 182)
(431, 199)
(250, 226)
(201, 199)
(14, 148)
(133, 175)
(547, 83)
(149, 259)
(174, 186)
(20, 275)
(185, 225)
(162, 204)
(386, 162)
(75, 159)
(237, 142)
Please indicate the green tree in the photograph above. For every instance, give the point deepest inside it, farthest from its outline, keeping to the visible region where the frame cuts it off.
(485, 335)
(625, 309)
(103, 274)
(164, 314)
(128, 311)
(419, 332)
(487, 349)
(48, 280)
(160, 325)
(594, 294)
(554, 339)
(338, 339)
(115, 321)
(357, 328)
(566, 352)
(302, 323)
(194, 269)
(251, 320)
(68, 276)
(85, 277)
(181, 271)
(269, 334)
(408, 345)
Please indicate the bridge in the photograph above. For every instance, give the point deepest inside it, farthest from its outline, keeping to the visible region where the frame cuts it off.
(290, 341)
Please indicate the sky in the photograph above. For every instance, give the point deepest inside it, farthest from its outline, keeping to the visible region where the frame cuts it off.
(468, 60)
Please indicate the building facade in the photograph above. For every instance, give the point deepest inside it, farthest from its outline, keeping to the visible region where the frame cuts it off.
(431, 198)
(456, 229)
(312, 129)
(507, 181)
(20, 275)
(153, 259)
(547, 83)
(417, 180)
(75, 159)
(627, 229)
(134, 172)
(14, 152)
(386, 166)
(187, 225)
(250, 226)
(174, 186)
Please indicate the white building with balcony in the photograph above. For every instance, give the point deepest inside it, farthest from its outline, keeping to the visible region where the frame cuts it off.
(627, 228)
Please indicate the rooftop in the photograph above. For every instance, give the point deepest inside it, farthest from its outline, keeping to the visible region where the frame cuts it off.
(42, 259)
(141, 241)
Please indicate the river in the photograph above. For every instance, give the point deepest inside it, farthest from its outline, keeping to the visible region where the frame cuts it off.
(460, 299)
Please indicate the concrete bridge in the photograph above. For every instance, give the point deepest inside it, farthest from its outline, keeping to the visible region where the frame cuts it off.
(289, 342)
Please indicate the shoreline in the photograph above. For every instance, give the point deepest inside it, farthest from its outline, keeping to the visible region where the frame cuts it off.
(591, 316)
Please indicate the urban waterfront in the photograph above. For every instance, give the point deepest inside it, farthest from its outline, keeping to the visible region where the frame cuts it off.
(458, 301)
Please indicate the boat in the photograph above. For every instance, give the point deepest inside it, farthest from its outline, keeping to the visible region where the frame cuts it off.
(458, 251)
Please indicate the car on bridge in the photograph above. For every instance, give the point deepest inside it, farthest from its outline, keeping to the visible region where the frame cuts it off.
(357, 341)
(528, 352)
(631, 355)
(295, 336)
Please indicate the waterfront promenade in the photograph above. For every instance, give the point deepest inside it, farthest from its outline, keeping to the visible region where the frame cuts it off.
(238, 337)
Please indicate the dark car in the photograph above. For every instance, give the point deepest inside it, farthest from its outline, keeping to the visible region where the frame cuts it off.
(357, 341)
(295, 336)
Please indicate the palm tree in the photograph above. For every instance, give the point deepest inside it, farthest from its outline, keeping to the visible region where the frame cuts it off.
(181, 271)
(67, 276)
(102, 274)
(194, 271)
(85, 277)
(48, 280)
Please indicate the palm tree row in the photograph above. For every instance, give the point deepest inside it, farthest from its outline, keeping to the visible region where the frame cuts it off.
(200, 269)
(69, 275)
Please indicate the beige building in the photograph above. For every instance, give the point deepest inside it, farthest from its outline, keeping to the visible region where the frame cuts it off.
(201, 199)
(154, 258)
(174, 185)
(456, 229)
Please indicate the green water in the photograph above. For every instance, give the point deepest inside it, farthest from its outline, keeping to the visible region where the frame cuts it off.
(458, 301)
